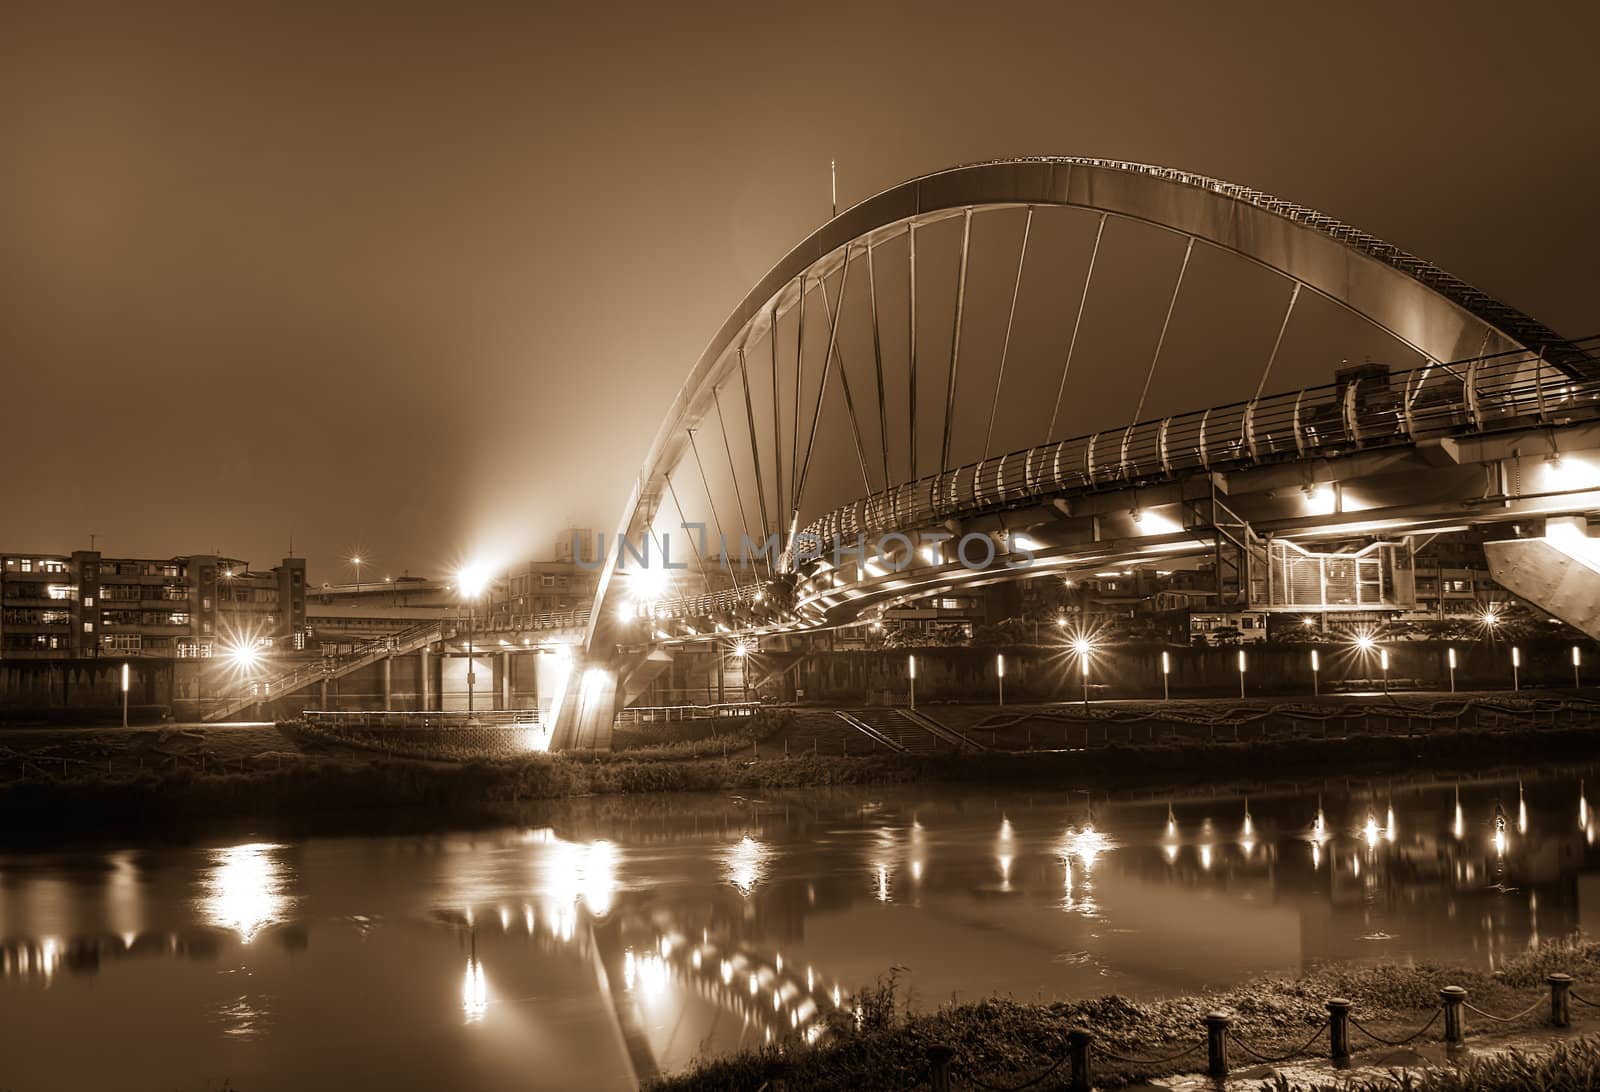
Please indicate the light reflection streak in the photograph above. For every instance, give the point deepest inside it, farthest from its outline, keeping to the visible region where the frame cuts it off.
(474, 991)
(746, 864)
(244, 890)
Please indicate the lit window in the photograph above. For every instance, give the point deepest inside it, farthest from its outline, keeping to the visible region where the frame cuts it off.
(88, 627)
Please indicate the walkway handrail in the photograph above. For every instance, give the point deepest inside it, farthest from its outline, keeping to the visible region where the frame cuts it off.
(1468, 396)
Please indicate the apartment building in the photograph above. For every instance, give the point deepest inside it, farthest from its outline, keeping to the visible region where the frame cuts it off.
(83, 605)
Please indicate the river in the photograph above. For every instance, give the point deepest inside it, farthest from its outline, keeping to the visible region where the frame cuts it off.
(607, 939)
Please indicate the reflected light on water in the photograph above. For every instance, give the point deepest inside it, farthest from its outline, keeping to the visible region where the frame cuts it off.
(244, 890)
(474, 991)
(746, 863)
(1522, 812)
(882, 892)
(1085, 844)
(1459, 826)
(1389, 829)
(1205, 856)
(575, 871)
(1370, 831)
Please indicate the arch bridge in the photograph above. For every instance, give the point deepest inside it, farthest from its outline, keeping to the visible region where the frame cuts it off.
(993, 372)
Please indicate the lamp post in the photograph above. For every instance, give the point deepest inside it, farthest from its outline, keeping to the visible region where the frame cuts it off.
(1516, 668)
(911, 665)
(357, 562)
(1316, 669)
(741, 653)
(470, 582)
(1577, 660)
(1241, 674)
(1450, 656)
(1166, 670)
(1383, 662)
(1081, 645)
(125, 693)
(1000, 675)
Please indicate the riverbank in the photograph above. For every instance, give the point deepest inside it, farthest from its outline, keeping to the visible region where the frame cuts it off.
(877, 1044)
(183, 779)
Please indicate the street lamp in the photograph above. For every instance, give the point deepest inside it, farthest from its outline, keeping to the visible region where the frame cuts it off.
(1383, 662)
(1577, 661)
(911, 666)
(1316, 668)
(1241, 674)
(357, 561)
(1166, 670)
(1450, 655)
(741, 652)
(1000, 675)
(125, 693)
(1083, 647)
(1516, 668)
(470, 583)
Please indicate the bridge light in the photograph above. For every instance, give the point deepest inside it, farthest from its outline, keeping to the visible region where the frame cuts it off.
(1316, 664)
(471, 579)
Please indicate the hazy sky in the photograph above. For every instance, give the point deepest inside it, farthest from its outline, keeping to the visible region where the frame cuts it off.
(399, 280)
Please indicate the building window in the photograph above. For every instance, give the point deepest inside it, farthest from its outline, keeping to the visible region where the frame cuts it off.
(194, 650)
(57, 567)
(299, 639)
(121, 642)
(61, 591)
(547, 580)
(88, 627)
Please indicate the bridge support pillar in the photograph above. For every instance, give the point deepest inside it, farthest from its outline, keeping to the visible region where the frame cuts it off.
(388, 683)
(502, 669)
(424, 679)
(1559, 573)
(588, 706)
(323, 702)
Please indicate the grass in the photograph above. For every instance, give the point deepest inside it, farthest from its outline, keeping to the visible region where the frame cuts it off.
(180, 781)
(1005, 1041)
(1567, 1067)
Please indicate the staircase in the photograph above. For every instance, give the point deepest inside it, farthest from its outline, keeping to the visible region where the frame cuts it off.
(331, 667)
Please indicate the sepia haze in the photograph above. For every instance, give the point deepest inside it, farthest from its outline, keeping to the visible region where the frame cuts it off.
(421, 283)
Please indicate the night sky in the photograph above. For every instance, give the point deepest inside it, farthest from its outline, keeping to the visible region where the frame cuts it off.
(414, 282)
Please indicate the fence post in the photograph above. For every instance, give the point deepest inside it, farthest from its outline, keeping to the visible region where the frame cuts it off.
(1078, 1040)
(1217, 1043)
(1339, 1029)
(939, 1068)
(1560, 993)
(1453, 998)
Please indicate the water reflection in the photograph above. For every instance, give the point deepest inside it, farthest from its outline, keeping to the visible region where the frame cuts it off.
(681, 930)
(746, 862)
(474, 991)
(245, 889)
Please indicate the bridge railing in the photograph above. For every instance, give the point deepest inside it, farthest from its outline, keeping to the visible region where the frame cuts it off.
(1375, 409)
(665, 714)
(420, 721)
(518, 623)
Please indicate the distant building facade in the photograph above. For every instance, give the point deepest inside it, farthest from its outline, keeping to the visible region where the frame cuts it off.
(557, 586)
(84, 605)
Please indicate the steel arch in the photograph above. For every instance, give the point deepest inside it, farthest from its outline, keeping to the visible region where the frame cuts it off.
(1420, 305)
